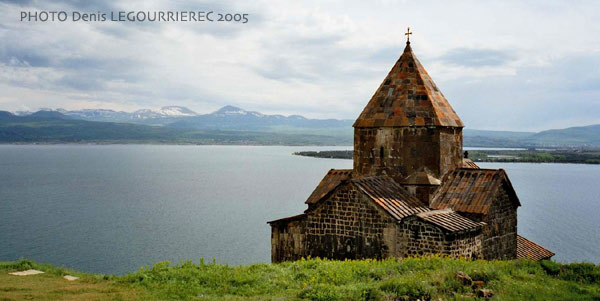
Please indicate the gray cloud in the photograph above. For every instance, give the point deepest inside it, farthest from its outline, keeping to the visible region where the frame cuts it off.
(565, 91)
(312, 58)
(470, 57)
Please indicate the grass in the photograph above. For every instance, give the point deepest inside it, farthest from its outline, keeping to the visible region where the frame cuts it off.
(52, 286)
(428, 278)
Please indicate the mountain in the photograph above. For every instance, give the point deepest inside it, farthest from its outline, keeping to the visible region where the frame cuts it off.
(581, 136)
(234, 118)
(483, 138)
(55, 127)
(233, 125)
(162, 116)
(164, 112)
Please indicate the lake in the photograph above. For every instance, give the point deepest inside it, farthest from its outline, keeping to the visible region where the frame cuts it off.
(114, 208)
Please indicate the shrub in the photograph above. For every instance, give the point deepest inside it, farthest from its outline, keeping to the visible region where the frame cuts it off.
(581, 272)
(550, 267)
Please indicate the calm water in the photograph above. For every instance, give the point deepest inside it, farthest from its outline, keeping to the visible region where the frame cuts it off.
(112, 209)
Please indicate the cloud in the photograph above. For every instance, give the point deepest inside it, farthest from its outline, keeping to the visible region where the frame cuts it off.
(319, 59)
(477, 57)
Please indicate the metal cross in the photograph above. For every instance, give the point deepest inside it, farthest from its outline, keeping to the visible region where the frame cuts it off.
(407, 34)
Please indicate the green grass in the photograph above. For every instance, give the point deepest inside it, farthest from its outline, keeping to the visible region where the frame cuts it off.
(407, 279)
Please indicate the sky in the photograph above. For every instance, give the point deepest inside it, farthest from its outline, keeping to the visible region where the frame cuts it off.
(502, 65)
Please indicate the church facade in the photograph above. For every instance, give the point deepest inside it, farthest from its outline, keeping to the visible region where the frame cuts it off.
(410, 191)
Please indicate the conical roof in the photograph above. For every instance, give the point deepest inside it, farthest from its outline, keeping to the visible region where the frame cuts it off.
(408, 97)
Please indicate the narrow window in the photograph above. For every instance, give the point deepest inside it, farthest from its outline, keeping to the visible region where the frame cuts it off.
(381, 152)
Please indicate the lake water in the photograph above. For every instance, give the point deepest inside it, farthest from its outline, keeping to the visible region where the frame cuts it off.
(115, 208)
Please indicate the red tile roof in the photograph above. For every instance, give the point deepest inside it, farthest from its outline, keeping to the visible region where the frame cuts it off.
(408, 97)
(468, 163)
(527, 249)
(471, 190)
(388, 194)
(332, 179)
(449, 220)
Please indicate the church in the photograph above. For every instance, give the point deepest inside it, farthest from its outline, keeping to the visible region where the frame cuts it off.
(411, 191)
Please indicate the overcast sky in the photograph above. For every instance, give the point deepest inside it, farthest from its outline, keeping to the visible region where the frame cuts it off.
(503, 65)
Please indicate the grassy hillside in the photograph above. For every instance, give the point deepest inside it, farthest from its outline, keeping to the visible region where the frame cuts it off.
(429, 278)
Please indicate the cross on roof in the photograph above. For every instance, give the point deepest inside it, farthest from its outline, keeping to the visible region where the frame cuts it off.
(407, 34)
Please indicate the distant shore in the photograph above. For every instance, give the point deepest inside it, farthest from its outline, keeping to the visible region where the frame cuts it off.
(512, 156)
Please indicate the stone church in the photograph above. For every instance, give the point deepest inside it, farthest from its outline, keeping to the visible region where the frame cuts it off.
(410, 192)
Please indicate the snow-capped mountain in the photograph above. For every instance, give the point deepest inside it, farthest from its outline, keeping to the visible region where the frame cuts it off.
(231, 110)
(160, 116)
(169, 111)
(226, 118)
(234, 118)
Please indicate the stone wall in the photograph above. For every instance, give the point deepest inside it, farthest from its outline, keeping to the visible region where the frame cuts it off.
(422, 192)
(347, 225)
(400, 151)
(500, 231)
(451, 144)
(418, 238)
(288, 241)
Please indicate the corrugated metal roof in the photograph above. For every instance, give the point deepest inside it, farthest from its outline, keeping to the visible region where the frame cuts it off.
(390, 196)
(471, 190)
(449, 220)
(468, 163)
(408, 97)
(527, 249)
(332, 179)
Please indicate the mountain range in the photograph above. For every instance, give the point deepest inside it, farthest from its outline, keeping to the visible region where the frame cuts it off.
(233, 125)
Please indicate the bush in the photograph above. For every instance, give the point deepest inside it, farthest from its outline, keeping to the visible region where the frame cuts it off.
(580, 272)
(550, 267)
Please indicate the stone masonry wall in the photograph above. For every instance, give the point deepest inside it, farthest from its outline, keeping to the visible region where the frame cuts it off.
(451, 144)
(417, 238)
(288, 240)
(400, 151)
(500, 231)
(346, 225)
(466, 244)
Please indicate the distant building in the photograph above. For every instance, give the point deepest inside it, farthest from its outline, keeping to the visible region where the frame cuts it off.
(410, 192)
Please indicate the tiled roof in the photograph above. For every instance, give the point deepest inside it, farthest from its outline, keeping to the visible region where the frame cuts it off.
(527, 249)
(408, 97)
(468, 163)
(390, 196)
(332, 179)
(288, 219)
(449, 220)
(471, 190)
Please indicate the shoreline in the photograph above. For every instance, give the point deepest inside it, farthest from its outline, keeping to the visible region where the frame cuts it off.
(591, 157)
